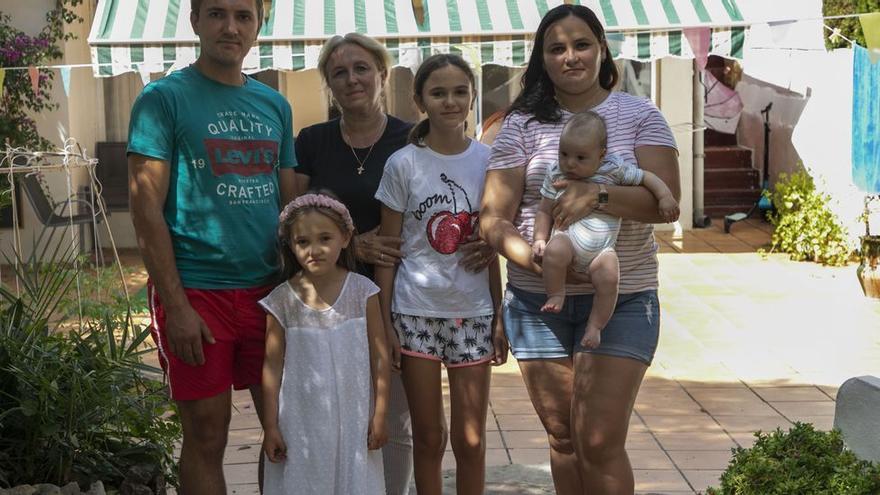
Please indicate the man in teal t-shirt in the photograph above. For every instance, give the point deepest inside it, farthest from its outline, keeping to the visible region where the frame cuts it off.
(211, 160)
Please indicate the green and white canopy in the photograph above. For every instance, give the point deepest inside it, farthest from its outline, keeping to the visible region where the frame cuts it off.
(156, 36)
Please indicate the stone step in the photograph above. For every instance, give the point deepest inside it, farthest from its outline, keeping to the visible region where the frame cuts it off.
(731, 178)
(727, 157)
(715, 138)
(722, 197)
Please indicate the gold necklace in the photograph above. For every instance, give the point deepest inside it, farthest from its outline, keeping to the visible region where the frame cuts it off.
(361, 163)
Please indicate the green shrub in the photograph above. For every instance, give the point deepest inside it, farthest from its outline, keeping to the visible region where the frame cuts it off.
(849, 27)
(76, 403)
(801, 461)
(805, 228)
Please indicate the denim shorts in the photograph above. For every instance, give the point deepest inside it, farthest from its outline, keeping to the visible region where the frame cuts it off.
(632, 333)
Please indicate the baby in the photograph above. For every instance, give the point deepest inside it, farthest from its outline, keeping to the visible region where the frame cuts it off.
(588, 244)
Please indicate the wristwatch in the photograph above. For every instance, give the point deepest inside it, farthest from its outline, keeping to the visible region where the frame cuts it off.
(602, 197)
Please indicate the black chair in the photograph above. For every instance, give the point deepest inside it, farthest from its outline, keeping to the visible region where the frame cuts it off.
(54, 214)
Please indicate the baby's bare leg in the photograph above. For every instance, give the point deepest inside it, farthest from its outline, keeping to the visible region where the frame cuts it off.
(605, 274)
(557, 256)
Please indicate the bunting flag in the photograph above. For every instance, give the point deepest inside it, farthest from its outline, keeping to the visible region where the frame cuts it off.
(779, 31)
(35, 79)
(145, 75)
(871, 29)
(865, 122)
(2, 79)
(65, 80)
(700, 40)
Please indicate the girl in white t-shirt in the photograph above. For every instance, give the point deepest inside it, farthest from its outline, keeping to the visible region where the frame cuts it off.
(435, 310)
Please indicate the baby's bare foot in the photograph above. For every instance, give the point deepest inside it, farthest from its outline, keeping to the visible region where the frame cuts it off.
(592, 338)
(553, 304)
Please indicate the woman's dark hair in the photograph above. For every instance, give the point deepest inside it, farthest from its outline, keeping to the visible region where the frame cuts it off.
(289, 264)
(431, 64)
(537, 95)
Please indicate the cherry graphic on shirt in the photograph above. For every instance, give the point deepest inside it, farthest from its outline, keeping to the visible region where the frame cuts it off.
(447, 229)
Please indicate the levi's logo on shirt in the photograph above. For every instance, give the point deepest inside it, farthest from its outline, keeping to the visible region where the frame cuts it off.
(246, 158)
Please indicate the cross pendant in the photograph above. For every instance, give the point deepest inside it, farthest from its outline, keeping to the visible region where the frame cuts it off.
(360, 170)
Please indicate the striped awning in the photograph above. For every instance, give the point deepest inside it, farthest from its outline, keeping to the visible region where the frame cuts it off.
(156, 36)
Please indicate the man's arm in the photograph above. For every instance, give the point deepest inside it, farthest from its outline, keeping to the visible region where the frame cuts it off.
(148, 185)
(287, 185)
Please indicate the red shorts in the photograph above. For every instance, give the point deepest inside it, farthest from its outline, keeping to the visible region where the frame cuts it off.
(238, 325)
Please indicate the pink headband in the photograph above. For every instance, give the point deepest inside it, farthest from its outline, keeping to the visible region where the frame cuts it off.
(321, 201)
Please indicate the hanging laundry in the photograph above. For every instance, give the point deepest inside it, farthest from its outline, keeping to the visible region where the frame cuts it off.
(65, 80)
(866, 122)
(871, 29)
(2, 79)
(723, 105)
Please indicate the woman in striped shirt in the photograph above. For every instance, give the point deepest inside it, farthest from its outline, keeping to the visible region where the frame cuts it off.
(584, 397)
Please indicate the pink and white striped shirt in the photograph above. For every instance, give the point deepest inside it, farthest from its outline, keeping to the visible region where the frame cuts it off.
(632, 122)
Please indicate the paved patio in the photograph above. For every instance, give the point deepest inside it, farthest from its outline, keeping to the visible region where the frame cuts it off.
(747, 344)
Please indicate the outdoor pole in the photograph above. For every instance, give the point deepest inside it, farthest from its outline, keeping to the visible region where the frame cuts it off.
(699, 92)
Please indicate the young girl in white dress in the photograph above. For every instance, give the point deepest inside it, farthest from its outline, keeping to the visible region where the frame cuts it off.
(326, 371)
(442, 313)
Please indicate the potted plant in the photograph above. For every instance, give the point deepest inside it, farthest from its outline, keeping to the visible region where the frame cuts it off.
(868, 271)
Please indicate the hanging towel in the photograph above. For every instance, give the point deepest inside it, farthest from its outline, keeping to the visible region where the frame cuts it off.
(866, 122)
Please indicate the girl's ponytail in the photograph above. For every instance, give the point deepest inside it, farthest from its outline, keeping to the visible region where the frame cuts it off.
(418, 133)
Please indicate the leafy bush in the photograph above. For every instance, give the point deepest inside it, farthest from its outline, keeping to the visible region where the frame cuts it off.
(850, 27)
(800, 461)
(804, 226)
(75, 404)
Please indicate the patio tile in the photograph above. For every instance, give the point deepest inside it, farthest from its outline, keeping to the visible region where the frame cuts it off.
(640, 441)
(512, 406)
(703, 479)
(242, 454)
(649, 459)
(240, 474)
(748, 424)
(494, 457)
(791, 394)
(695, 440)
(680, 423)
(525, 439)
(823, 423)
(745, 407)
(245, 437)
(660, 480)
(244, 421)
(700, 459)
(829, 390)
(793, 410)
(519, 422)
(530, 456)
(249, 489)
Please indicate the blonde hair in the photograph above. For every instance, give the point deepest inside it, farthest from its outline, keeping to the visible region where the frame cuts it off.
(373, 47)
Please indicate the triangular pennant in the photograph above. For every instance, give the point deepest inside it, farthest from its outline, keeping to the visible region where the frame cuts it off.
(65, 80)
(700, 40)
(871, 29)
(35, 79)
(779, 31)
(145, 75)
(2, 79)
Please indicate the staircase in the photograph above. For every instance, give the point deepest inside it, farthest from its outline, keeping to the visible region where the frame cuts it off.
(731, 184)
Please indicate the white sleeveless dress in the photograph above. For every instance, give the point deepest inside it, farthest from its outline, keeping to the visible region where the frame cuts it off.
(326, 394)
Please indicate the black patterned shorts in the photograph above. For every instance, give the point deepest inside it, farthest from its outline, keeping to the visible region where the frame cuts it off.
(454, 341)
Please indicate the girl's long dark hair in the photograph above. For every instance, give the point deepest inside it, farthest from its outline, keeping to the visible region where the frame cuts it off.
(432, 63)
(289, 264)
(537, 97)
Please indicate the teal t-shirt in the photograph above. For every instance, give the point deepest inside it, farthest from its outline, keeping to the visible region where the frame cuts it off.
(225, 145)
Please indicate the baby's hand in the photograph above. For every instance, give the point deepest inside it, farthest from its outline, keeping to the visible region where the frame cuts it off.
(592, 338)
(668, 207)
(538, 248)
(376, 435)
(274, 446)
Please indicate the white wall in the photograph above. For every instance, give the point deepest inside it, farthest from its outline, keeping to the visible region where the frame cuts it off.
(676, 100)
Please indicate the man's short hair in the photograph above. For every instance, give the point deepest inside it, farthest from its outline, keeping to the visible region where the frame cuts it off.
(195, 5)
